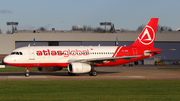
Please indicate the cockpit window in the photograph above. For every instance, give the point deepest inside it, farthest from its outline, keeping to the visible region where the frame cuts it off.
(20, 53)
(13, 53)
(16, 53)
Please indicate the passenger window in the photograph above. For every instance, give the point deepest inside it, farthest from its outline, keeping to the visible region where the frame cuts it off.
(17, 53)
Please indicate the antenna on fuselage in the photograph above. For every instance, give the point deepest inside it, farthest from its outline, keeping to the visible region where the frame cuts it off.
(116, 41)
(34, 42)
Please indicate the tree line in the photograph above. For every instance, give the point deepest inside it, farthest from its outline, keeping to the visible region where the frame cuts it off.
(99, 29)
(159, 28)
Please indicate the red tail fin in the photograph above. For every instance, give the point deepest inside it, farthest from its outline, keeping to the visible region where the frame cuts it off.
(147, 36)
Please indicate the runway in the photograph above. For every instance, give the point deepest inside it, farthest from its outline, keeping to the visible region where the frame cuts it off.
(104, 73)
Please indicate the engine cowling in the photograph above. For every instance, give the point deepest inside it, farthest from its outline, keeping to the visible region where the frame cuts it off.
(49, 69)
(79, 68)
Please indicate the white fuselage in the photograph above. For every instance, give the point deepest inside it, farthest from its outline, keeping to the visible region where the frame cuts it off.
(35, 55)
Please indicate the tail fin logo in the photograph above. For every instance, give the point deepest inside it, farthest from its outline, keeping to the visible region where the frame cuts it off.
(148, 36)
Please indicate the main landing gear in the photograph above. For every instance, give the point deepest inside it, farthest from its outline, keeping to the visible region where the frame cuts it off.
(92, 72)
(27, 72)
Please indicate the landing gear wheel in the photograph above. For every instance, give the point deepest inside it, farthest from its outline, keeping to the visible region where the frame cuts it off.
(130, 65)
(71, 74)
(93, 73)
(26, 74)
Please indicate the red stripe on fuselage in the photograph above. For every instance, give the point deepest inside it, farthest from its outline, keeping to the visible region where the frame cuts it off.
(116, 51)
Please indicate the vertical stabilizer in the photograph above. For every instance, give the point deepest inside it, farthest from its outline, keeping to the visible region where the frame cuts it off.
(147, 36)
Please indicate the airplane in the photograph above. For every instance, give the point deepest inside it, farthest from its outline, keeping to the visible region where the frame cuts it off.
(84, 59)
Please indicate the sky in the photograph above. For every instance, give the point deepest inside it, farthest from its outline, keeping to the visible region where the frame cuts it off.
(63, 14)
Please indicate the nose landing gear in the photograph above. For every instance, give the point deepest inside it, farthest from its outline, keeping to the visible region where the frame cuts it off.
(27, 72)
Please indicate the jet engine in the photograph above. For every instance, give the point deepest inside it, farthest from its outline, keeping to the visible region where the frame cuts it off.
(49, 69)
(79, 68)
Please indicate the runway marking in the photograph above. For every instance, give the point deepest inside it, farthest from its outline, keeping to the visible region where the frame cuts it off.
(27, 77)
(129, 76)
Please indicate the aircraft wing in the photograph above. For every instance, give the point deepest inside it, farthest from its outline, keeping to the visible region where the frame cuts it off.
(101, 60)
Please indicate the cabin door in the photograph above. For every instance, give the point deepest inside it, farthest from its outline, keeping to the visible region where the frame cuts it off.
(135, 52)
(31, 54)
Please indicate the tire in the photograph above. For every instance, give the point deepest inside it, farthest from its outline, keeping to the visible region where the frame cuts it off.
(136, 62)
(93, 73)
(26, 74)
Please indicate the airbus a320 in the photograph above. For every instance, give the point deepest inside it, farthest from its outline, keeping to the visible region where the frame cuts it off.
(84, 59)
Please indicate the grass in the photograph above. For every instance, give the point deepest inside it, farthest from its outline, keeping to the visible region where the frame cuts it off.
(14, 69)
(126, 90)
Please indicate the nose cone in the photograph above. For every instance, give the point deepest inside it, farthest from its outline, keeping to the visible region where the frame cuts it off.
(7, 60)
(11, 60)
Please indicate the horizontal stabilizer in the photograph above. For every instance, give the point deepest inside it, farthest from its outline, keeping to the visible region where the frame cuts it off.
(160, 51)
